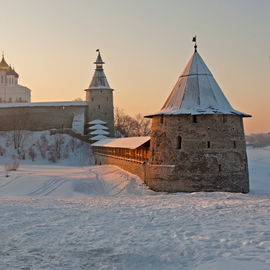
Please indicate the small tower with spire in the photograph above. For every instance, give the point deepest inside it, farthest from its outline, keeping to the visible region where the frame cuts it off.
(197, 138)
(99, 96)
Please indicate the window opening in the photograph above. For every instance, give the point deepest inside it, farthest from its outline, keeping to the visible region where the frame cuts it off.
(208, 144)
(179, 142)
(194, 118)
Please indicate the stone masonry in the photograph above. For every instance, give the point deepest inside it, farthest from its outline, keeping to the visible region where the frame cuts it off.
(208, 154)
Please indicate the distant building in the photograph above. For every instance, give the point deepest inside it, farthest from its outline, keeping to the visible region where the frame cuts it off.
(197, 140)
(10, 90)
(16, 110)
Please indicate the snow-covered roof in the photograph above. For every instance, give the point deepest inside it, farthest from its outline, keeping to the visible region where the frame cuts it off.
(99, 132)
(44, 104)
(99, 80)
(129, 143)
(97, 127)
(98, 138)
(197, 92)
(97, 121)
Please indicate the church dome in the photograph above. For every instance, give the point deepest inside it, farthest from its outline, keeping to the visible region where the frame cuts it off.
(11, 72)
(3, 64)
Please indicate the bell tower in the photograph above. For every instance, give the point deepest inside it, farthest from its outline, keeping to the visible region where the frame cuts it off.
(99, 96)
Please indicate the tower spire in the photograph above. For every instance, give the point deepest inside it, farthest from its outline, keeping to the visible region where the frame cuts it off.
(99, 62)
(194, 39)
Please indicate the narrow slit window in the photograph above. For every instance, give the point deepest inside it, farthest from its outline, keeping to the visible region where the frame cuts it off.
(208, 144)
(219, 168)
(224, 120)
(92, 99)
(234, 144)
(194, 118)
(99, 106)
(161, 119)
(179, 142)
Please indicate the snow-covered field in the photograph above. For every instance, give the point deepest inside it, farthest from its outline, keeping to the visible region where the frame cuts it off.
(100, 217)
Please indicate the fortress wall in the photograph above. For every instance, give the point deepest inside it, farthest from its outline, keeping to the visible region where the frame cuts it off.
(134, 167)
(38, 118)
(220, 165)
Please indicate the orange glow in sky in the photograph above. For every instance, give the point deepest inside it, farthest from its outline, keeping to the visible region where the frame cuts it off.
(145, 45)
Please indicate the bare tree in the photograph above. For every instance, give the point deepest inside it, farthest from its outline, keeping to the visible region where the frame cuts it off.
(128, 126)
(19, 126)
(259, 139)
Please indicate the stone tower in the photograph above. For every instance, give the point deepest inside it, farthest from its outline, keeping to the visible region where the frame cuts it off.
(99, 96)
(197, 138)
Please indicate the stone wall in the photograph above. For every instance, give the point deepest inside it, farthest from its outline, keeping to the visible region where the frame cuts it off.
(38, 118)
(205, 153)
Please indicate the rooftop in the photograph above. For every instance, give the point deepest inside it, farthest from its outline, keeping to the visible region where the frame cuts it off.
(43, 104)
(197, 92)
(129, 142)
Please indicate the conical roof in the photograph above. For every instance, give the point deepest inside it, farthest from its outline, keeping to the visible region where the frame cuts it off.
(3, 64)
(99, 59)
(196, 92)
(99, 80)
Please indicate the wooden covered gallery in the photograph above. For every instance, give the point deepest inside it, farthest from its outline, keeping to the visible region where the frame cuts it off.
(130, 149)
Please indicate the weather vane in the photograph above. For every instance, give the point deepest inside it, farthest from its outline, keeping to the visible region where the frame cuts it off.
(194, 39)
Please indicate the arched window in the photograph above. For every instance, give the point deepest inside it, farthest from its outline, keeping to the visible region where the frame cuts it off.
(179, 142)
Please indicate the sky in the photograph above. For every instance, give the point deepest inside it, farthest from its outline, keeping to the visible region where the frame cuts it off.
(145, 45)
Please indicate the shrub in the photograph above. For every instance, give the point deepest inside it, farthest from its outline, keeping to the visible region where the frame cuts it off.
(12, 165)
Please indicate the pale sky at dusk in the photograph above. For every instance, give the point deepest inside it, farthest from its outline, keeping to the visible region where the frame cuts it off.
(145, 44)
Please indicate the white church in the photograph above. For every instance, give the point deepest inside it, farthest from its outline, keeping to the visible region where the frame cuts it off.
(10, 90)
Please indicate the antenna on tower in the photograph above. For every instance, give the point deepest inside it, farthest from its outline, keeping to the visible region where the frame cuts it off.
(194, 39)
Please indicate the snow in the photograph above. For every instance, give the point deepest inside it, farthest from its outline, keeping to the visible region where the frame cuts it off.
(197, 92)
(99, 132)
(101, 217)
(44, 104)
(130, 142)
(97, 121)
(56, 181)
(98, 127)
(78, 122)
(98, 138)
(99, 81)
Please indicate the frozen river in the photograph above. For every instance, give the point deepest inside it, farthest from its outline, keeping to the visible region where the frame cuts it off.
(57, 217)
